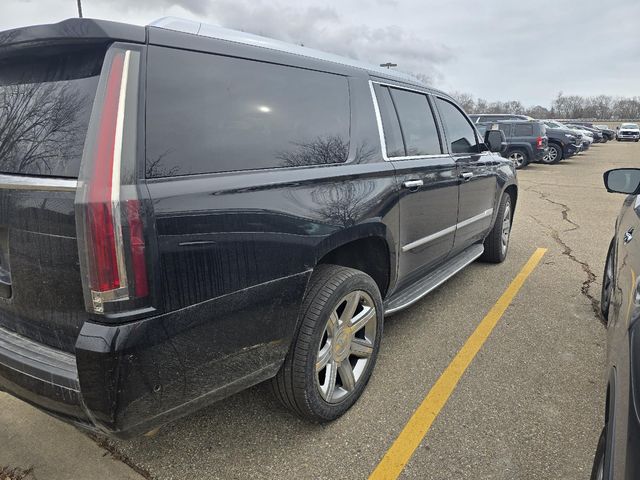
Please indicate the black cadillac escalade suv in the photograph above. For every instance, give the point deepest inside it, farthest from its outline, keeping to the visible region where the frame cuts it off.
(186, 211)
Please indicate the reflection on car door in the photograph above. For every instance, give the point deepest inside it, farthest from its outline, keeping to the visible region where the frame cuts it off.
(477, 173)
(426, 177)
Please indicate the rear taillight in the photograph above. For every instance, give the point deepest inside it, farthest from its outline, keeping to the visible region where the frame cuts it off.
(539, 143)
(110, 220)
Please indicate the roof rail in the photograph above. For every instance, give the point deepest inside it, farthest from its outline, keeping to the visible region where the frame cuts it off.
(221, 33)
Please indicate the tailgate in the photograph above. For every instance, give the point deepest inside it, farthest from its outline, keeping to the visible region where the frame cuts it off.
(46, 99)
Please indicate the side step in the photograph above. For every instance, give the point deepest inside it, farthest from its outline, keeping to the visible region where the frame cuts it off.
(431, 281)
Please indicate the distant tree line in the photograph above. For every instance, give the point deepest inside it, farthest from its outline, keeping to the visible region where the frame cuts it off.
(601, 107)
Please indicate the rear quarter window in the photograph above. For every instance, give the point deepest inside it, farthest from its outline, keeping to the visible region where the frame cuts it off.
(45, 106)
(523, 130)
(209, 113)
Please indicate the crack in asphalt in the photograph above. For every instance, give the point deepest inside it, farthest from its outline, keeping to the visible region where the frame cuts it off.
(568, 252)
(565, 208)
(112, 451)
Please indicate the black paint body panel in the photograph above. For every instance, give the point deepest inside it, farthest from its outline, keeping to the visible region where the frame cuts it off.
(232, 253)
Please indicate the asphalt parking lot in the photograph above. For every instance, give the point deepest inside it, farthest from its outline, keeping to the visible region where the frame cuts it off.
(529, 406)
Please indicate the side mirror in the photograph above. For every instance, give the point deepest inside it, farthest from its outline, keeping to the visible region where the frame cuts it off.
(495, 139)
(623, 180)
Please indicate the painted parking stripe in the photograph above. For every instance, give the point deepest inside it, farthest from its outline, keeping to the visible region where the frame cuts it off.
(397, 457)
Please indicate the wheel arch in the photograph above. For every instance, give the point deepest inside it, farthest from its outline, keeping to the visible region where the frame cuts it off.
(368, 248)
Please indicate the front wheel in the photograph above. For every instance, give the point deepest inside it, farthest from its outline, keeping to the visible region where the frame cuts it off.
(519, 158)
(336, 346)
(496, 244)
(554, 155)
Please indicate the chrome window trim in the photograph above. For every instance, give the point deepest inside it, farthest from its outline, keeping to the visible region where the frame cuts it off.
(383, 143)
(448, 230)
(23, 182)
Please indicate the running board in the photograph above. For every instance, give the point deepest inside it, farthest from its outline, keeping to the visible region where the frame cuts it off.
(433, 280)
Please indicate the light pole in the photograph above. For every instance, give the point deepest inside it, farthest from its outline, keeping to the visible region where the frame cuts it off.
(80, 8)
(388, 64)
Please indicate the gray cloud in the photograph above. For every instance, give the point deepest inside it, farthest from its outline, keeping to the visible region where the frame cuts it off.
(493, 49)
(323, 28)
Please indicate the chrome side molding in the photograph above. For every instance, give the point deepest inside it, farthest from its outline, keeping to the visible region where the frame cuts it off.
(21, 182)
(448, 230)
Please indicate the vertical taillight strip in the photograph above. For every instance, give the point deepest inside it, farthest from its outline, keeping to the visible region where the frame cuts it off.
(111, 226)
(116, 177)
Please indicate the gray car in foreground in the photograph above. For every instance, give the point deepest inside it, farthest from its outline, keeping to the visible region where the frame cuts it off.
(617, 452)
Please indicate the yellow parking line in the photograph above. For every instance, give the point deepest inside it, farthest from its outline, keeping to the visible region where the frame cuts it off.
(396, 458)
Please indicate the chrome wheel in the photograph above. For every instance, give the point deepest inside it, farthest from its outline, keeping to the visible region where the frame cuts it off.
(506, 228)
(346, 346)
(517, 158)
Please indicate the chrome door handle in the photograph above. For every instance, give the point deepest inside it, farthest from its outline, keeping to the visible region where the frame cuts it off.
(466, 176)
(412, 183)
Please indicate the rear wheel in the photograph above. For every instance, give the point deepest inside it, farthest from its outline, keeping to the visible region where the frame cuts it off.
(519, 158)
(336, 346)
(554, 155)
(496, 244)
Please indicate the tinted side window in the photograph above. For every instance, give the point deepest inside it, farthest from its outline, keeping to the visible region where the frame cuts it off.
(460, 133)
(417, 123)
(523, 130)
(208, 113)
(390, 123)
(45, 106)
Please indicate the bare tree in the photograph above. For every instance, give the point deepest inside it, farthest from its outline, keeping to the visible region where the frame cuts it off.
(39, 126)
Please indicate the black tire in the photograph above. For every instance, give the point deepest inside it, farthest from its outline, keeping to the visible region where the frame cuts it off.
(519, 157)
(607, 283)
(597, 471)
(296, 385)
(555, 157)
(636, 140)
(495, 250)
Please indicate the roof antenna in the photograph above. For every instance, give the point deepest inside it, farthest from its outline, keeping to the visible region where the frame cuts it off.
(80, 8)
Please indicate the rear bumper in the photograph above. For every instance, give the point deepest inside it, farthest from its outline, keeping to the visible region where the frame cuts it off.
(128, 379)
(538, 154)
(40, 375)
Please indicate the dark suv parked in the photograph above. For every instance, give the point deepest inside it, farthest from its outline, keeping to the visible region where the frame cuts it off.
(200, 210)
(526, 140)
(563, 143)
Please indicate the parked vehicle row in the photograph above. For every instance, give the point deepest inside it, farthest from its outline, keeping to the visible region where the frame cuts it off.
(257, 226)
(530, 140)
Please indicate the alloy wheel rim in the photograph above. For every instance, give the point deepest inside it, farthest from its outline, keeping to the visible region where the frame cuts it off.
(517, 158)
(553, 154)
(346, 346)
(506, 227)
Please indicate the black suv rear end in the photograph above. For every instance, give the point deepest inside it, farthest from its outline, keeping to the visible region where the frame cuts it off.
(177, 205)
(526, 140)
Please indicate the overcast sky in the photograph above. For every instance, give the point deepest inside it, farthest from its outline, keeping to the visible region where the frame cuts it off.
(495, 49)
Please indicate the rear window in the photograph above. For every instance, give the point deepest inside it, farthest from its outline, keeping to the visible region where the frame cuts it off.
(208, 113)
(45, 105)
